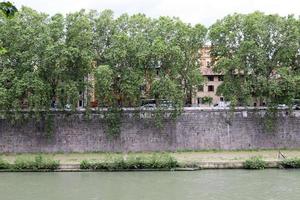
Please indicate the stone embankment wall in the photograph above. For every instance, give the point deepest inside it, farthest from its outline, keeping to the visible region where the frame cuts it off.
(195, 129)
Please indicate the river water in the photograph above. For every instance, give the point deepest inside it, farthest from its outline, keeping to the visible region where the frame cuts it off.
(196, 185)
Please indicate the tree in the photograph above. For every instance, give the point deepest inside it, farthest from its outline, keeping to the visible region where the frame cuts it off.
(49, 59)
(257, 54)
(104, 27)
(8, 8)
(140, 51)
(77, 55)
(176, 46)
(104, 85)
(23, 59)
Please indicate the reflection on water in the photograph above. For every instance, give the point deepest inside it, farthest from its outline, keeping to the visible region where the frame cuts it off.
(198, 185)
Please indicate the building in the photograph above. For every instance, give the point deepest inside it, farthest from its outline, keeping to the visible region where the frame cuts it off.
(206, 93)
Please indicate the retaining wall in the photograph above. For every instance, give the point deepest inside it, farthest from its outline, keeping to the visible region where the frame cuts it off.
(195, 129)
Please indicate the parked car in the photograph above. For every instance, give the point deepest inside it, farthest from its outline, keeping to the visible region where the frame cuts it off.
(152, 104)
(296, 104)
(68, 107)
(282, 106)
(222, 104)
(148, 104)
(167, 104)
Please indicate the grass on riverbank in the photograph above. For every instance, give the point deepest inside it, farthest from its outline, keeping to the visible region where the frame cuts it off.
(290, 163)
(39, 163)
(119, 162)
(182, 157)
(133, 161)
(255, 163)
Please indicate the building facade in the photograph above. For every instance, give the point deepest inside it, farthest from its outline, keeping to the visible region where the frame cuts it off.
(206, 94)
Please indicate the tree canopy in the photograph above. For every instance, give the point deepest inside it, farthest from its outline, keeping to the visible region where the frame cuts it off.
(259, 57)
(8, 8)
(130, 57)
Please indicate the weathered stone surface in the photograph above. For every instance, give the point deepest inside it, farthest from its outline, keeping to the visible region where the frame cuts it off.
(193, 130)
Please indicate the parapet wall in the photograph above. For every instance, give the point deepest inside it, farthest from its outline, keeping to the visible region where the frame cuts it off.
(194, 130)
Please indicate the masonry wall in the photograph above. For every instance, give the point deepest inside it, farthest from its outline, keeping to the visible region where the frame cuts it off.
(193, 130)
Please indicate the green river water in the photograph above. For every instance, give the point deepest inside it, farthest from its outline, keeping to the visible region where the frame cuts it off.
(195, 185)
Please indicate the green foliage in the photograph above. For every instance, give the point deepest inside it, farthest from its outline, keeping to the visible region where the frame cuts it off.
(159, 117)
(255, 163)
(38, 163)
(8, 8)
(104, 85)
(67, 92)
(23, 163)
(85, 164)
(132, 52)
(112, 119)
(163, 161)
(155, 161)
(290, 163)
(49, 124)
(46, 163)
(137, 54)
(2, 51)
(50, 65)
(207, 100)
(270, 118)
(258, 55)
(165, 88)
(4, 164)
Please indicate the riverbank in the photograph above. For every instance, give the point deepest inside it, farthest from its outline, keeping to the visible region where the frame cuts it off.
(186, 160)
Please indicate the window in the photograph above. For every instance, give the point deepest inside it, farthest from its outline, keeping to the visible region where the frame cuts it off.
(80, 103)
(221, 99)
(200, 88)
(81, 98)
(210, 88)
(210, 78)
(208, 64)
(157, 71)
(220, 78)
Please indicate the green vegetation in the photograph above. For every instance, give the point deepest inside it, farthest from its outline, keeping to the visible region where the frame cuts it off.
(135, 57)
(258, 55)
(255, 163)
(290, 163)
(39, 163)
(207, 100)
(131, 161)
(124, 54)
(8, 9)
(155, 161)
(4, 164)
